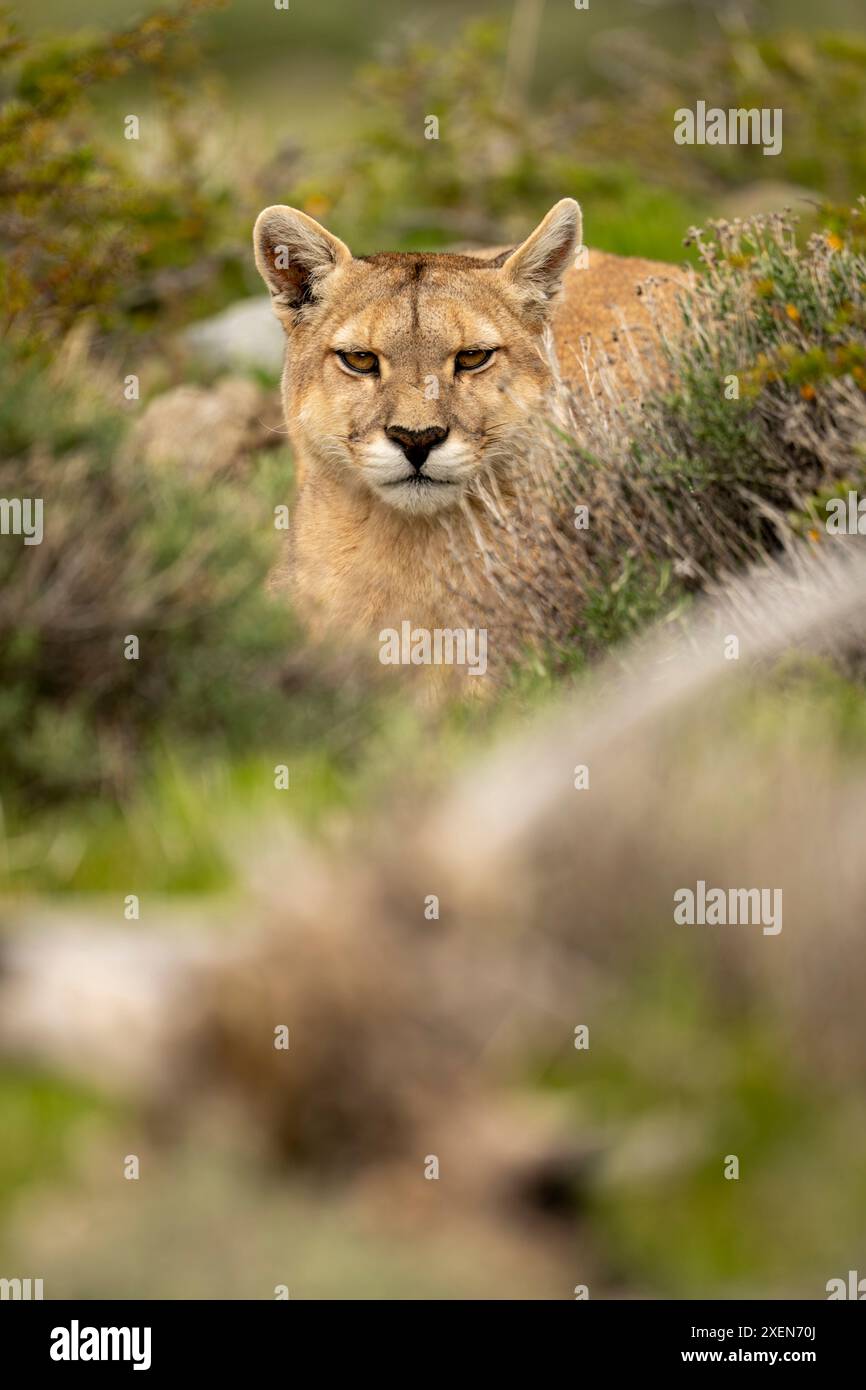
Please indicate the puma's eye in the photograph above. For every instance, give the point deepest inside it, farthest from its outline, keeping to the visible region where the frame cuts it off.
(366, 363)
(470, 359)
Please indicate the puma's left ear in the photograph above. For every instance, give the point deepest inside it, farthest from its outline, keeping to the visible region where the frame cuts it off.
(537, 266)
(294, 255)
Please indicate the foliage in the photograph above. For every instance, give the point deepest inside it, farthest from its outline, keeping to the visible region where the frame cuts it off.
(492, 167)
(818, 82)
(497, 162)
(83, 231)
(762, 411)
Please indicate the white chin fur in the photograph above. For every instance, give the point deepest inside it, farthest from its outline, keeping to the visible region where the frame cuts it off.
(420, 500)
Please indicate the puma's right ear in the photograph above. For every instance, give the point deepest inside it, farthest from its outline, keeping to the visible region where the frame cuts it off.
(294, 255)
(537, 266)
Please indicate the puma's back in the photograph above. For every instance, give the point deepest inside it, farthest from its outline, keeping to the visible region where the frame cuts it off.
(610, 308)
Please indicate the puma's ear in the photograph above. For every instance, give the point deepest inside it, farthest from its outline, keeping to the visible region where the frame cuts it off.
(537, 266)
(294, 254)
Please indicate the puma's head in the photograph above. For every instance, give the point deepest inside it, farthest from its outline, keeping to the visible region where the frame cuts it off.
(407, 374)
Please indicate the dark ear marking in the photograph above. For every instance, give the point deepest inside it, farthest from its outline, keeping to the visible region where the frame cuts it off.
(294, 254)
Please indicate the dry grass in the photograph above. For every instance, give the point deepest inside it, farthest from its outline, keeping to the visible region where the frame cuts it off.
(683, 485)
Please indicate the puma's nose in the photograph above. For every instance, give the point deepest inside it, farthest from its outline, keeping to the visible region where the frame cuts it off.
(416, 444)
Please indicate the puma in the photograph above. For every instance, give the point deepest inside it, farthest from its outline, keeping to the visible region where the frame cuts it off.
(410, 381)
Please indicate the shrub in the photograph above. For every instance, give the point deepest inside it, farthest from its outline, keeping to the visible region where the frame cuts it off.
(755, 411)
(82, 230)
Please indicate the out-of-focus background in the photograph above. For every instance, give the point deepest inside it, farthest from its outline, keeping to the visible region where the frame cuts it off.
(167, 904)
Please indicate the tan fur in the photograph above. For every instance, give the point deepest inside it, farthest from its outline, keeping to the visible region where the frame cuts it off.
(369, 552)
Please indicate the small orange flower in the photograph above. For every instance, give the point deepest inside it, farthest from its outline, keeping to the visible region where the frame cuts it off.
(813, 535)
(807, 391)
(793, 313)
(834, 242)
